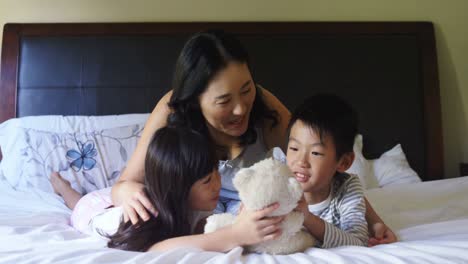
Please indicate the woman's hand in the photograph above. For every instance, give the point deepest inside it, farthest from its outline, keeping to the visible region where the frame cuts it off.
(134, 202)
(128, 191)
(254, 227)
(381, 234)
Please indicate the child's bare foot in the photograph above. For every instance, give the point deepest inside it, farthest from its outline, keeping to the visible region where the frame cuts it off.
(59, 184)
(63, 188)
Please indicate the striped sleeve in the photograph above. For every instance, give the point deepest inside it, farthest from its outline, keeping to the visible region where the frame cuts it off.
(352, 229)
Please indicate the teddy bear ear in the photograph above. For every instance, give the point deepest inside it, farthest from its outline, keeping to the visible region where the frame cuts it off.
(242, 177)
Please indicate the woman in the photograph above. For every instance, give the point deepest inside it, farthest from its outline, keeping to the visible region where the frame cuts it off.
(214, 93)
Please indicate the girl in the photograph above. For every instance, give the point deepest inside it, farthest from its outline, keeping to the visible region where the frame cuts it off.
(182, 182)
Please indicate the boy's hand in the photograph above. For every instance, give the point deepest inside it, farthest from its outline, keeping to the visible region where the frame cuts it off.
(302, 206)
(381, 234)
(254, 227)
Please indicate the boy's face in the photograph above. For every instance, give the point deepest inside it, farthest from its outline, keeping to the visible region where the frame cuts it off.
(313, 162)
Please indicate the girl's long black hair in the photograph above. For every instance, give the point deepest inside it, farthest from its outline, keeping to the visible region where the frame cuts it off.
(202, 57)
(175, 160)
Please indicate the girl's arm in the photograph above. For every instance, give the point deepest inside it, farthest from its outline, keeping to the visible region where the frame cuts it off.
(128, 190)
(221, 240)
(379, 231)
(250, 228)
(276, 136)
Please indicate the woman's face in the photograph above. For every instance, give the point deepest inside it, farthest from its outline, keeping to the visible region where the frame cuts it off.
(204, 193)
(227, 101)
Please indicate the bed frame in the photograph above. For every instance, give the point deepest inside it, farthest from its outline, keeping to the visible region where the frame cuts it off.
(387, 70)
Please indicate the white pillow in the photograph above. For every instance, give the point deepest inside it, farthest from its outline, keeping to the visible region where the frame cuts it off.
(73, 124)
(90, 152)
(362, 167)
(392, 168)
(389, 169)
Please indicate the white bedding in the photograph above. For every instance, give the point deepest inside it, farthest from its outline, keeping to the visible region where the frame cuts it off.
(430, 218)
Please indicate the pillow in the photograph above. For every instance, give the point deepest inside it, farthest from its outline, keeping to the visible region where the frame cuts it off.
(73, 124)
(393, 168)
(389, 169)
(89, 152)
(362, 167)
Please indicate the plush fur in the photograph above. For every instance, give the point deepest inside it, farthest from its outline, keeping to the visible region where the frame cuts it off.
(263, 184)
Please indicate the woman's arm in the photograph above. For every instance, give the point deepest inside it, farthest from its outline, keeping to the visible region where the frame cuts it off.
(250, 228)
(128, 190)
(276, 136)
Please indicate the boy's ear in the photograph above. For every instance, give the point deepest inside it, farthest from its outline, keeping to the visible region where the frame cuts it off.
(345, 162)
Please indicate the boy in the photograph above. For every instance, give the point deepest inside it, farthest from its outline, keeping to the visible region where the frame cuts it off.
(320, 150)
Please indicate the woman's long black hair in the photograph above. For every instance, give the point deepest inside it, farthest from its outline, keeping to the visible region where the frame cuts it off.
(203, 56)
(175, 160)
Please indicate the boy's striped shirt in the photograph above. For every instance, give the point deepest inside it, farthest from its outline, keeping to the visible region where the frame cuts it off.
(345, 215)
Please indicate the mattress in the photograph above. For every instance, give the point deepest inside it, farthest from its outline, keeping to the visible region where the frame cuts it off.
(429, 218)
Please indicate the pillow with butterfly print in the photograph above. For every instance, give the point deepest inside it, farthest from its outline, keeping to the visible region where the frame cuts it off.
(89, 160)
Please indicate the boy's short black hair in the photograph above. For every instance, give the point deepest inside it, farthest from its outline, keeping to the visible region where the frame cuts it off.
(330, 115)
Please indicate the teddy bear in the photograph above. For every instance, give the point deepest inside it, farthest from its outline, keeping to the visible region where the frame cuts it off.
(264, 183)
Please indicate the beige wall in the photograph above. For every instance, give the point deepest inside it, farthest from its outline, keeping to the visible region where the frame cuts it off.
(450, 18)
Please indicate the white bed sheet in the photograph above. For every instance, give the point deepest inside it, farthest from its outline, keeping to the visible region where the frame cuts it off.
(430, 218)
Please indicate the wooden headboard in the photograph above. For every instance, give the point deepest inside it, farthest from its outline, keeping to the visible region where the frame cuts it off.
(387, 70)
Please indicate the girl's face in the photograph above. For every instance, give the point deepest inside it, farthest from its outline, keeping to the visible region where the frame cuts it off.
(204, 193)
(227, 101)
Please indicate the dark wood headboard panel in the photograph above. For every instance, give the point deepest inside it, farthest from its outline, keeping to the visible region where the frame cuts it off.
(387, 70)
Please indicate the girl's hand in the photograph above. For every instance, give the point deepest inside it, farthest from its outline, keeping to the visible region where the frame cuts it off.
(254, 227)
(135, 203)
(381, 234)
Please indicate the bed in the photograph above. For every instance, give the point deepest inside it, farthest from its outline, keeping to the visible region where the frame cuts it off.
(91, 86)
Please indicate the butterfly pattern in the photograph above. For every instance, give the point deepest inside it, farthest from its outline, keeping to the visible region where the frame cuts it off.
(89, 161)
(83, 158)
